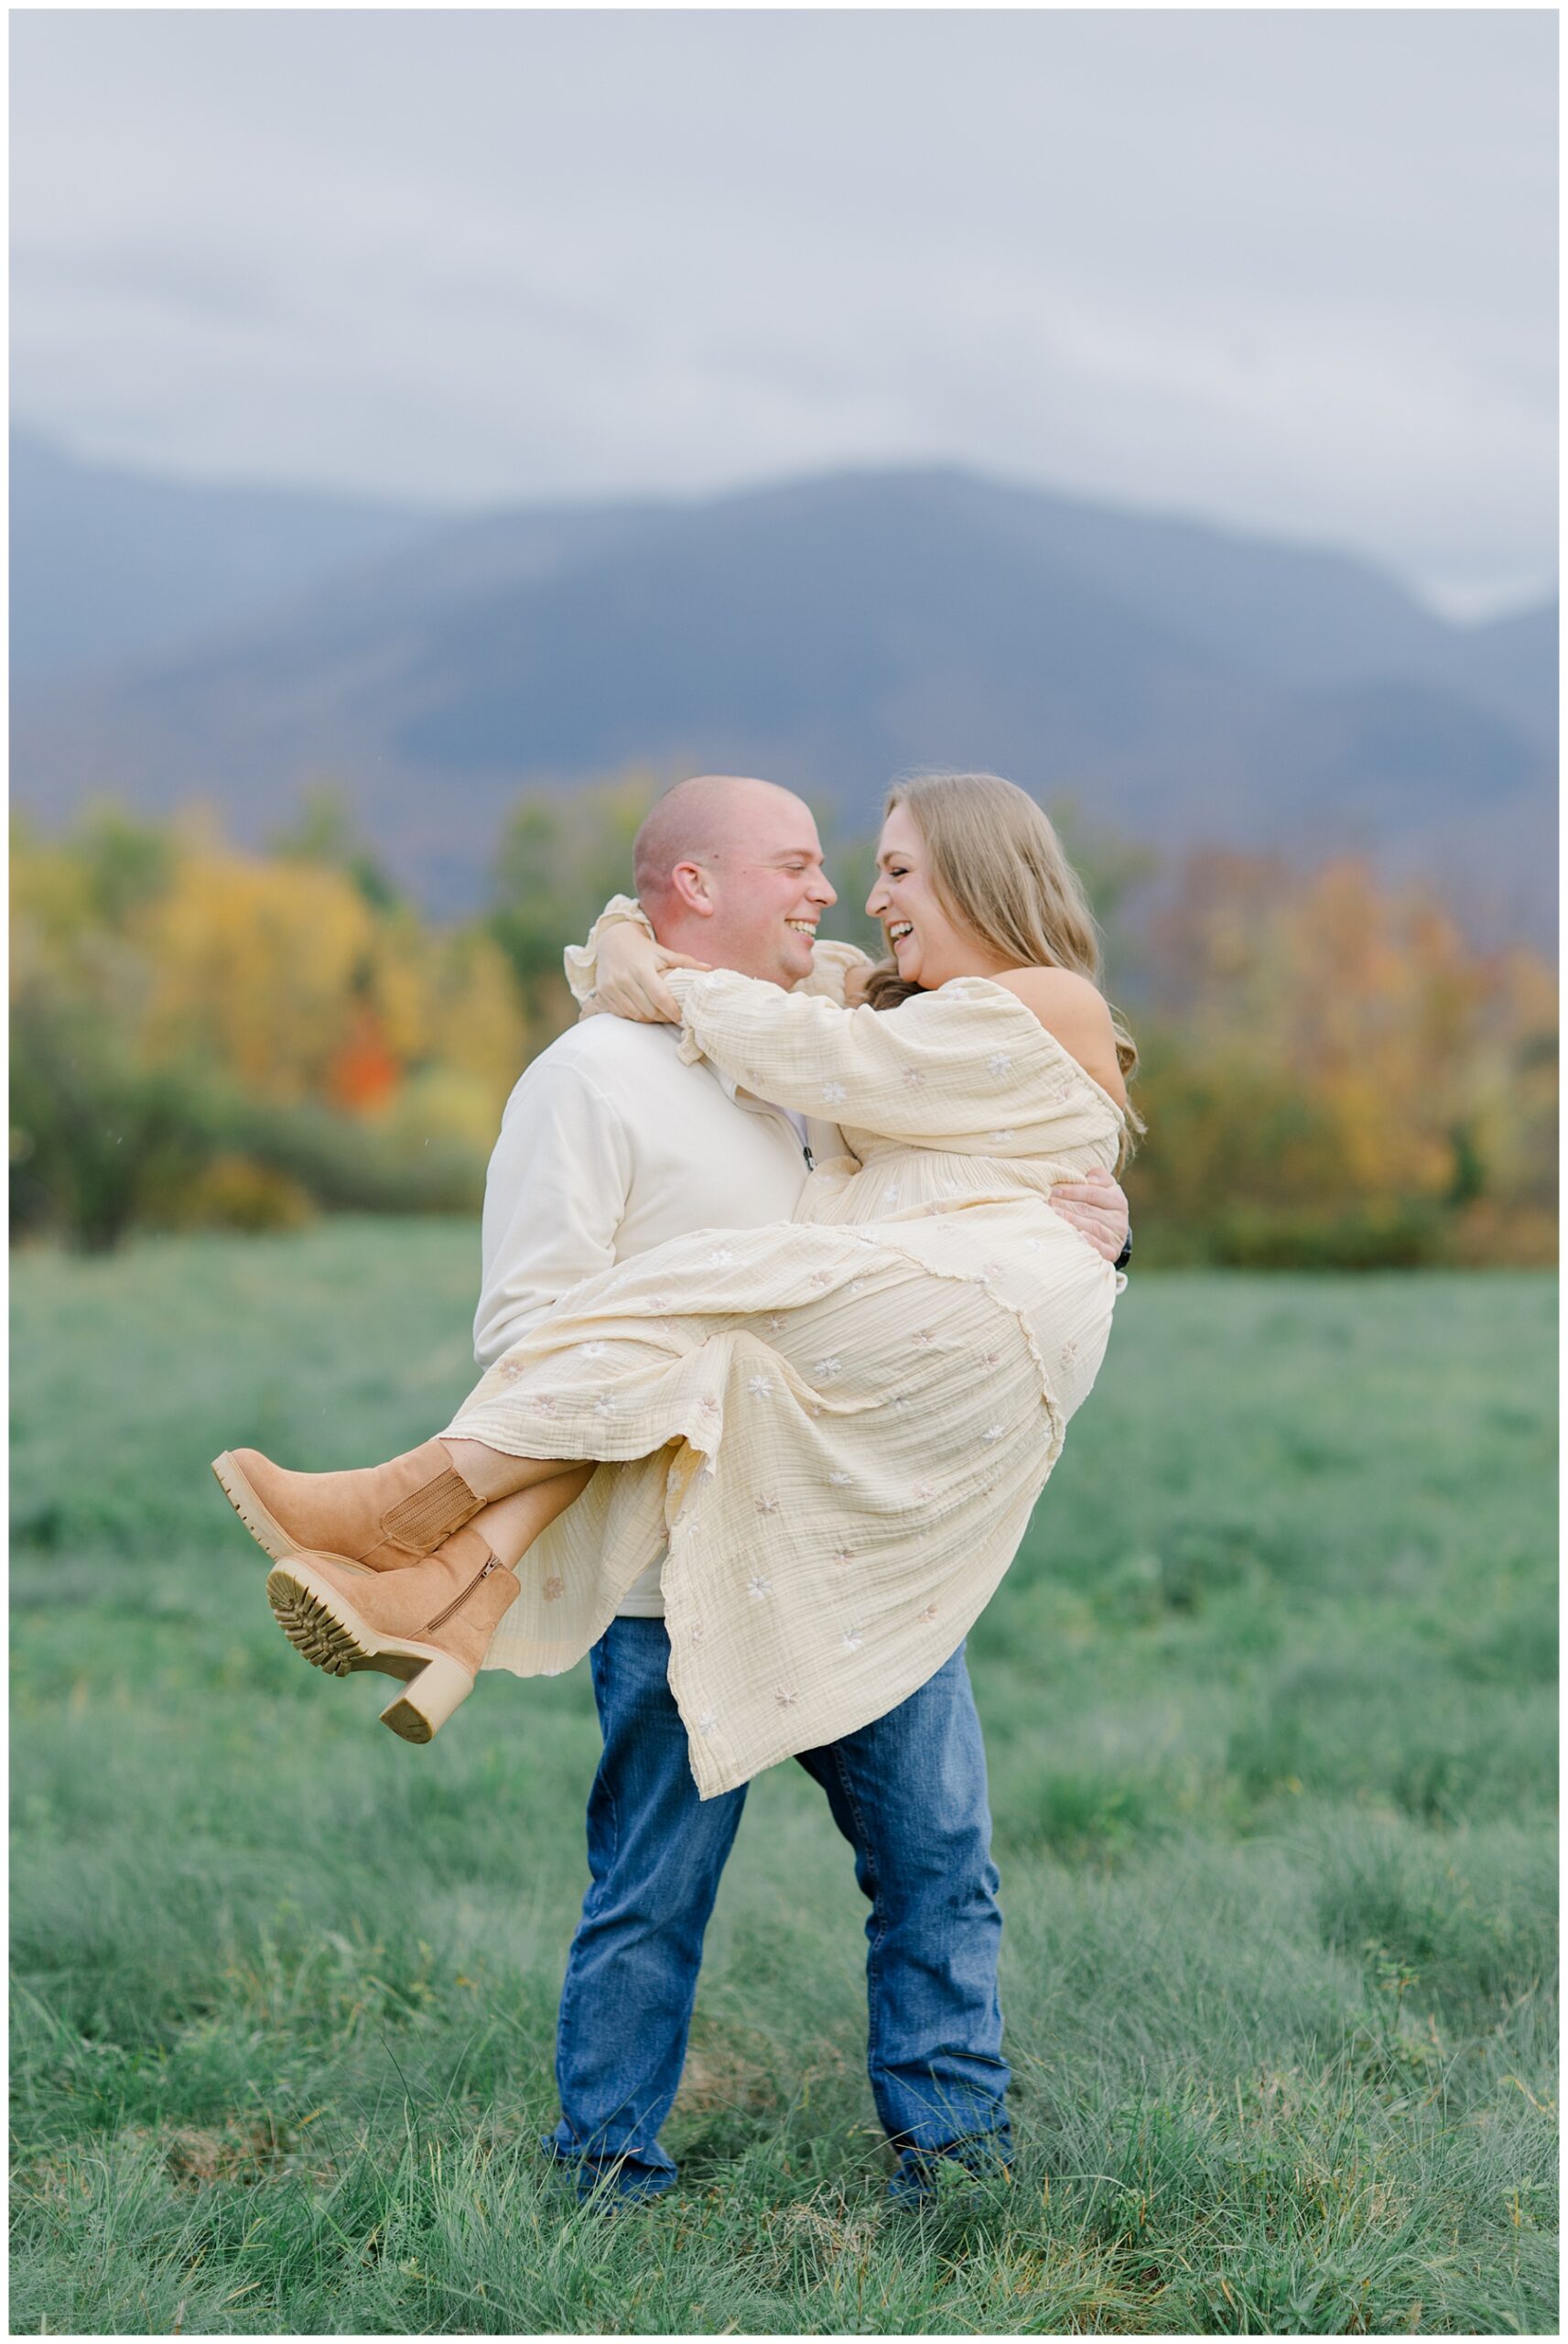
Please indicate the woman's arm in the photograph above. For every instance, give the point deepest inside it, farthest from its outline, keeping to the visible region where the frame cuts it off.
(952, 1066)
(622, 966)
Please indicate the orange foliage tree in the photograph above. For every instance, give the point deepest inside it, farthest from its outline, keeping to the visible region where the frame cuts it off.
(1334, 1074)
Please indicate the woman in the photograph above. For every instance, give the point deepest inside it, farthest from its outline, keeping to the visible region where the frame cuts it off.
(854, 1412)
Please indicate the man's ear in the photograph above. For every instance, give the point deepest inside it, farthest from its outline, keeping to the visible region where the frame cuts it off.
(692, 889)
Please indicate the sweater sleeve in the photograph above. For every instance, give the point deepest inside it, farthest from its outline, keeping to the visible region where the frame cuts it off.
(554, 1197)
(967, 1066)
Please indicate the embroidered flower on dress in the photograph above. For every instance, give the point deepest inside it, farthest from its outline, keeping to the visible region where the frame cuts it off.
(708, 1723)
(828, 1368)
(853, 1640)
(842, 1553)
(766, 1504)
(994, 1432)
(547, 1404)
(553, 1590)
(913, 1077)
(785, 1697)
(759, 1387)
(775, 1322)
(758, 1587)
(990, 1359)
(922, 1338)
(719, 1258)
(604, 1406)
(1032, 1244)
(834, 1094)
(840, 1480)
(696, 1635)
(889, 1194)
(924, 1619)
(1002, 1138)
(708, 1406)
(1069, 1353)
(820, 1278)
(923, 1492)
(998, 1062)
(856, 1285)
(510, 1370)
(594, 1350)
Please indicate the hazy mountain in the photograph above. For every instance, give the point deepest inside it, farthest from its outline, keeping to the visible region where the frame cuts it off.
(109, 565)
(1184, 683)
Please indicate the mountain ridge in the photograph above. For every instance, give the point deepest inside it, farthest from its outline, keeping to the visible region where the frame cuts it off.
(1195, 683)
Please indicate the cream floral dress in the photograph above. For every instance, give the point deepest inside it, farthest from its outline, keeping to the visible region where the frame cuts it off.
(845, 1418)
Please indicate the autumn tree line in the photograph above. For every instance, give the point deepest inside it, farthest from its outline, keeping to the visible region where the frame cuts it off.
(208, 1037)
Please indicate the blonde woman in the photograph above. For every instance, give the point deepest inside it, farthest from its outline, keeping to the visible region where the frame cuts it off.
(864, 1402)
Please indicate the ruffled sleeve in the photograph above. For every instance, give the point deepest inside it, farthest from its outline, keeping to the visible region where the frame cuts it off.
(967, 1068)
(580, 962)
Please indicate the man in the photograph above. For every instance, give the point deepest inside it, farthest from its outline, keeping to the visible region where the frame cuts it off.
(610, 1144)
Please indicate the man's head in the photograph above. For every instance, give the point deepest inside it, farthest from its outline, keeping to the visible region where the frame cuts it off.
(731, 872)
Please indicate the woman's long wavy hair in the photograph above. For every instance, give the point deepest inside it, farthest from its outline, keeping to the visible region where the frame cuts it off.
(998, 869)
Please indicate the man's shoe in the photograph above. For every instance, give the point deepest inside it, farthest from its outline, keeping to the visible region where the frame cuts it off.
(612, 2183)
(962, 2176)
(382, 1517)
(430, 1624)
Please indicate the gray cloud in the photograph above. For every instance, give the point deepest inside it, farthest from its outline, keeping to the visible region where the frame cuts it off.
(1291, 270)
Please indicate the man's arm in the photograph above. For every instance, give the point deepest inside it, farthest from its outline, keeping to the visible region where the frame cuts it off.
(554, 1197)
(1098, 1211)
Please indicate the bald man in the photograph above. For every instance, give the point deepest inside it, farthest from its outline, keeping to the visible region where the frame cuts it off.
(610, 1144)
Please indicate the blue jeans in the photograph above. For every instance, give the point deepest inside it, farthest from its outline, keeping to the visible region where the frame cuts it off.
(908, 1792)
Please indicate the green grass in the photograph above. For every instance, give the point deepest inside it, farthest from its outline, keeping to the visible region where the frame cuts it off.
(1268, 1701)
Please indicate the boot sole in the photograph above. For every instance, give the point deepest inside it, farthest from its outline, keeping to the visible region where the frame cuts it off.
(324, 1629)
(264, 1528)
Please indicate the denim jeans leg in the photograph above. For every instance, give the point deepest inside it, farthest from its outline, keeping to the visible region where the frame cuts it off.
(655, 1851)
(908, 1792)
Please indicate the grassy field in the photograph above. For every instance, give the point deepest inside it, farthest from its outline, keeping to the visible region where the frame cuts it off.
(1268, 1701)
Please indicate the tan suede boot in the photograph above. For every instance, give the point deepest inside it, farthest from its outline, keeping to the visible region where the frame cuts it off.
(382, 1517)
(430, 1624)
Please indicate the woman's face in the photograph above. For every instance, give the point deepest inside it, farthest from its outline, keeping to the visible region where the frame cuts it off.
(928, 946)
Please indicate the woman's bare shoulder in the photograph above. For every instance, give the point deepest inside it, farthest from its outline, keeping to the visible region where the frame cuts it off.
(1074, 1010)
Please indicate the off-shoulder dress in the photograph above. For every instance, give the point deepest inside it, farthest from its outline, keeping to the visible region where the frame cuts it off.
(845, 1419)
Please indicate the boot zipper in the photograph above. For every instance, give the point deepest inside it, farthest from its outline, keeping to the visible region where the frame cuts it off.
(492, 1563)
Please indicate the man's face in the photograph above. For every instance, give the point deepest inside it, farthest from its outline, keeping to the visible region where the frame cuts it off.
(769, 891)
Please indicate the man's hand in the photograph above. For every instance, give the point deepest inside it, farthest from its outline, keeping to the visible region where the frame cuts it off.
(630, 979)
(1096, 1210)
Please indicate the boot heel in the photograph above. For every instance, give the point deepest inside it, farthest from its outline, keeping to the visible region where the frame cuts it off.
(427, 1700)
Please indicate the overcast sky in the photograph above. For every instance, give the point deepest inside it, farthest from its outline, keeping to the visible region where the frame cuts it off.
(1292, 271)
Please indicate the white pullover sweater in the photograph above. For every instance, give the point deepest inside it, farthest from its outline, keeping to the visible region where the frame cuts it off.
(610, 1144)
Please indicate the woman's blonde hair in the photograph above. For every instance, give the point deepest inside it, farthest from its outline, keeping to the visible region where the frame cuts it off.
(998, 869)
